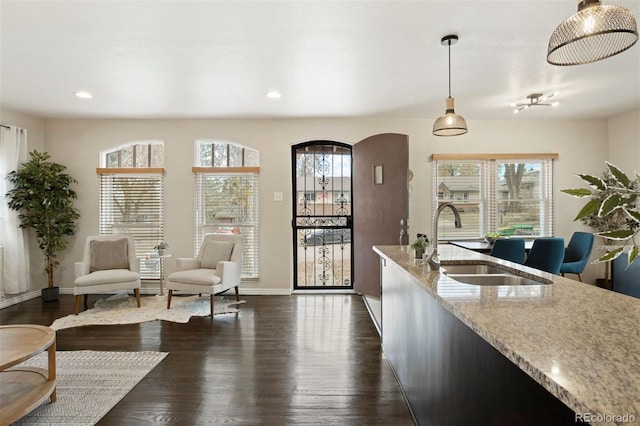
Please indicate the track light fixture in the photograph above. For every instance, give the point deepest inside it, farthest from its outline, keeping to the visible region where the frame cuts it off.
(536, 99)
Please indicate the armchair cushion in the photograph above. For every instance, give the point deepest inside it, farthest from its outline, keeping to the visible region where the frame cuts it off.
(205, 277)
(216, 251)
(109, 254)
(110, 276)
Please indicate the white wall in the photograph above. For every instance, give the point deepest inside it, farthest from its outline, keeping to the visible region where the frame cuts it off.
(581, 145)
(35, 140)
(624, 142)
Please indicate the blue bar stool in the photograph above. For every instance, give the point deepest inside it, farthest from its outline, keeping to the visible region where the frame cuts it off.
(577, 253)
(511, 249)
(546, 254)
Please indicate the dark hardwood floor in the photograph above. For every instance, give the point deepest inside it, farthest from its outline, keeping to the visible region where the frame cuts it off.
(304, 359)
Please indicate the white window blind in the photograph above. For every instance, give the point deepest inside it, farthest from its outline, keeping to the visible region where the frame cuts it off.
(228, 203)
(226, 179)
(524, 198)
(462, 184)
(133, 203)
(508, 196)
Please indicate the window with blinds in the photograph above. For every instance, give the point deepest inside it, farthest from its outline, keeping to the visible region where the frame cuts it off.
(132, 199)
(510, 196)
(226, 186)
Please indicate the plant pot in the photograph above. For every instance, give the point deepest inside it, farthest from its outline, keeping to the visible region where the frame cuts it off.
(418, 253)
(160, 252)
(50, 294)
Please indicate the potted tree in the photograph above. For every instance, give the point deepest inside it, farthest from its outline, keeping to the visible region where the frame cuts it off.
(43, 197)
(611, 211)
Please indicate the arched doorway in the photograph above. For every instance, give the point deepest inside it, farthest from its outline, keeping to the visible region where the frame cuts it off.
(322, 215)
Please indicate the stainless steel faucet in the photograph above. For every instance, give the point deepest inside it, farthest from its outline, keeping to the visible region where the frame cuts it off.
(432, 260)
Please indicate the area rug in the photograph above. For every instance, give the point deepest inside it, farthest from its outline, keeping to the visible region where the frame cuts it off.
(89, 384)
(122, 309)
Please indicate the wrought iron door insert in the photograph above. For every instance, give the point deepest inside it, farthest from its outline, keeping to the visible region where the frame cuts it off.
(322, 223)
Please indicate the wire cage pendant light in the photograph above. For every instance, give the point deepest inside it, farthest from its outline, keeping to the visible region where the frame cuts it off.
(595, 32)
(449, 124)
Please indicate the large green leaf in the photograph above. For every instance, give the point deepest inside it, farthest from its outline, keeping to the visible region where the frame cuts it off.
(610, 203)
(610, 255)
(620, 234)
(633, 254)
(577, 192)
(594, 181)
(633, 214)
(618, 175)
(628, 200)
(590, 208)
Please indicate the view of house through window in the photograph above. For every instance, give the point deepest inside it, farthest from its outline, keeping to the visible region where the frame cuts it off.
(132, 199)
(226, 197)
(510, 197)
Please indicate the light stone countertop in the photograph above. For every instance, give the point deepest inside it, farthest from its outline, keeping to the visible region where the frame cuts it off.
(580, 342)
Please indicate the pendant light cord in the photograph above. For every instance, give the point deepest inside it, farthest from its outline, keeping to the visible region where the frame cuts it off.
(449, 43)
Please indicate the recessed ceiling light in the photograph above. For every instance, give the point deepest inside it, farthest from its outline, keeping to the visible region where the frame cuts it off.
(84, 95)
(274, 94)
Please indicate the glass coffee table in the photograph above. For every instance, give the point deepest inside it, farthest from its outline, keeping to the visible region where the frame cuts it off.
(24, 388)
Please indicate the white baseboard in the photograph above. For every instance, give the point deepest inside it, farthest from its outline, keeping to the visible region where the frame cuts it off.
(247, 291)
(20, 298)
(244, 291)
(322, 291)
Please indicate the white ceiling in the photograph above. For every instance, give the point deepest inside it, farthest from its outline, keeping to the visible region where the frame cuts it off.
(179, 59)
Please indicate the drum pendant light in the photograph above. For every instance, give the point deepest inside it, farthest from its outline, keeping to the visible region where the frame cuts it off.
(595, 32)
(449, 124)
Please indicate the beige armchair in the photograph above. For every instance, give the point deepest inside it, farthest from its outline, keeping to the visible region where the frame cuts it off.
(109, 264)
(217, 268)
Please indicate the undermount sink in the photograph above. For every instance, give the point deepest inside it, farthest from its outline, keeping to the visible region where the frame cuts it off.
(482, 274)
(476, 268)
(496, 279)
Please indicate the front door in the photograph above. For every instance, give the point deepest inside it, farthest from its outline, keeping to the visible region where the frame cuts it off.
(322, 215)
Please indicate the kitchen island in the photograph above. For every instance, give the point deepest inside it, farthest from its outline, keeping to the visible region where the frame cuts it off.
(558, 353)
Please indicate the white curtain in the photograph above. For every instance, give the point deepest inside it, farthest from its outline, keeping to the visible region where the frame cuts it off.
(13, 152)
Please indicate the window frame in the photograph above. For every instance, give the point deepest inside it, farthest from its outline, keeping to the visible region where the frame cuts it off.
(488, 200)
(149, 266)
(201, 171)
(147, 163)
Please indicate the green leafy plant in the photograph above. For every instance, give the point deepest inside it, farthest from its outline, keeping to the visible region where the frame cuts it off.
(161, 246)
(43, 197)
(491, 237)
(611, 210)
(421, 243)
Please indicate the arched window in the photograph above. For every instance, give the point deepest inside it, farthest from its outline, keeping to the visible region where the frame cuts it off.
(132, 198)
(226, 196)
